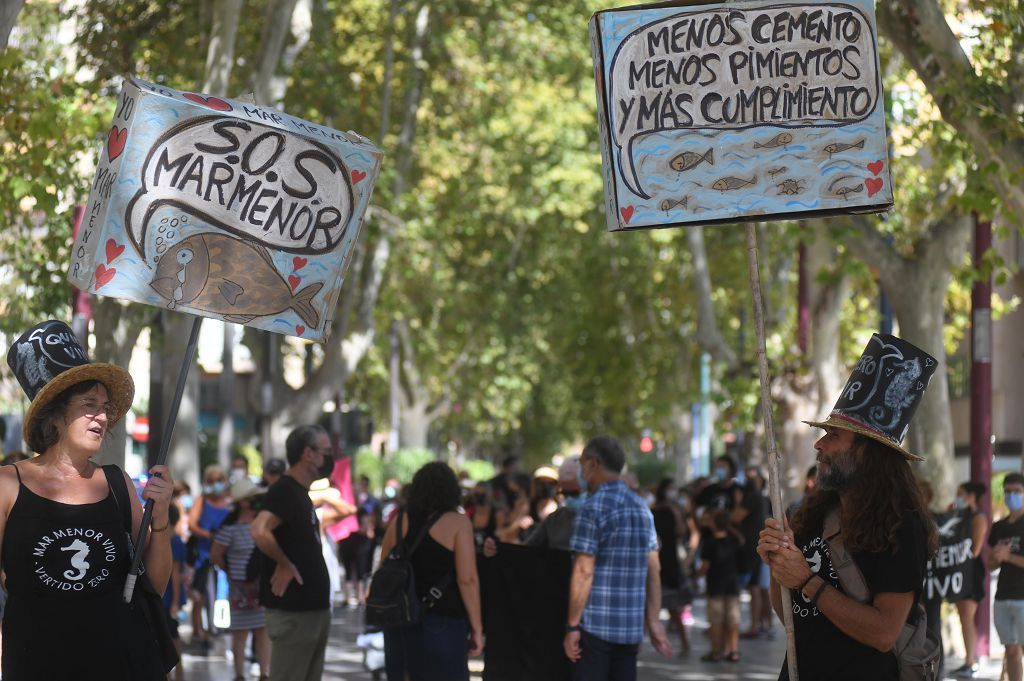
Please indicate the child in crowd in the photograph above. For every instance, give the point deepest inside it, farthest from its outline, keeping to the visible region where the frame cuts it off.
(356, 554)
(721, 565)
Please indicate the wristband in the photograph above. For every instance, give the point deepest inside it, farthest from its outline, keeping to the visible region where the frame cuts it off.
(569, 628)
(153, 529)
(817, 594)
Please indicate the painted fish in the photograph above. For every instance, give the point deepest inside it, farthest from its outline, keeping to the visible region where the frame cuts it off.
(837, 147)
(844, 191)
(234, 278)
(688, 160)
(790, 187)
(729, 183)
(772, 172)
(669, 204)
(780, 140)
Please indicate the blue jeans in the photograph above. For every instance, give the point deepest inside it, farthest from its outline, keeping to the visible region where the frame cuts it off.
(604, 661)
(436, 649)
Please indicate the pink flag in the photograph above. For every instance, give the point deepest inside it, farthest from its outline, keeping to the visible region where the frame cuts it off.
(341, 478)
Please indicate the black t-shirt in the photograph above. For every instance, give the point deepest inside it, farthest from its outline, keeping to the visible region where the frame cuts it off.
(299, 538)
(722, 554)
(1011, 578)
(720, 496)
(824, 653)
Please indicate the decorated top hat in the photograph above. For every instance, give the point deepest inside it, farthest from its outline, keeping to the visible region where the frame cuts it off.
(883, 393)
(48, 359)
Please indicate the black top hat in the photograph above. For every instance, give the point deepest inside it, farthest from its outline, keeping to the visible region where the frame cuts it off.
(884, 391)
(48, 359)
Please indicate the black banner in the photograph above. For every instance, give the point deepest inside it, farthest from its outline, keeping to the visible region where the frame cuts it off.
(950, 572)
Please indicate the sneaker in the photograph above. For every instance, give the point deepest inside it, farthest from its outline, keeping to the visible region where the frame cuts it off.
(966, 671)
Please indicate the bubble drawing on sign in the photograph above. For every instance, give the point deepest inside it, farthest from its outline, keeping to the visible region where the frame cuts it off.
(285, 191)
(782, 66)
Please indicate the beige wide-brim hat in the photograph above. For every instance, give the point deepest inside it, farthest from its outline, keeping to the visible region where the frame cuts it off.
(118, 382)
(844, 422)
(246, 489)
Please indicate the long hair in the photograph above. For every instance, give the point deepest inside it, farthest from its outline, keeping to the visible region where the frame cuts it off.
(883, 491)
(434, 488)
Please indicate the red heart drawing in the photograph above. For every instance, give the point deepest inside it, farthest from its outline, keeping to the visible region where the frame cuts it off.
(875, 167)
(113, 250)
(116, 141)
(299, 263)
(293, 281)
(104, 275)
(299, 329)
(357, 176)
(627, 213)
(215, 103)
(874, 185)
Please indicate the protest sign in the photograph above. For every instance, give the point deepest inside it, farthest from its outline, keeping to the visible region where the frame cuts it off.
(950, 571)
(745, 111)
(224, 209)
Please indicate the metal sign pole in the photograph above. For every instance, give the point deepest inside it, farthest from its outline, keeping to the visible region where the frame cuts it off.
(165, 443)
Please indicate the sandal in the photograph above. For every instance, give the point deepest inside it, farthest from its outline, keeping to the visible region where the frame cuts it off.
(710, 657)
(732, 657)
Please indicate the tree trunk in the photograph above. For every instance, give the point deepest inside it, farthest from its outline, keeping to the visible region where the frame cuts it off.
(220, 55)
(708, 336)
(116, 327)
(226, 433)
(276, 28)
(414, 425)
(9, 10)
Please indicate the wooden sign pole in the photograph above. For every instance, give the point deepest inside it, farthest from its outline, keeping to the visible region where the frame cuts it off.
(774, 486)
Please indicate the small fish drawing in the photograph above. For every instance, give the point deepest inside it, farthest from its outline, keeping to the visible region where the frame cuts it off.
(688, 160)
(669, 204)
(772, 172)
(837, 147)
(780, 140)
(790, 187)
(844, 191)
(234, 278)
(729, 183)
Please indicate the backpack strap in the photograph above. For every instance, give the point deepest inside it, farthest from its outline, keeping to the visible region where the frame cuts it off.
(119, 493)
(849, 574)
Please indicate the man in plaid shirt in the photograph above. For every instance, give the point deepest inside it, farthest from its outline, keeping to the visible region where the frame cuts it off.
(615, 570)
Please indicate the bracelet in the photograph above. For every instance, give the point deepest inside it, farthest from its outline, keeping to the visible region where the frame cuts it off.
(800, 589)
(569, 628)
(817, 594)
(166, 525)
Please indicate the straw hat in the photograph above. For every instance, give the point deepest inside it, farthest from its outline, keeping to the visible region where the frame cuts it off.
(883, 393)
(546, 472)
(48, 359)
(245, 489)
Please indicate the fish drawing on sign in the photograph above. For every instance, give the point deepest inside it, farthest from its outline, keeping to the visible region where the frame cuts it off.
(837, 147)
(898, 395)
(845, 191)
(772, 172)
(669, 204)
(790, 187)
(688, 160)
(231, 277)
(780, 140)
(729, 183)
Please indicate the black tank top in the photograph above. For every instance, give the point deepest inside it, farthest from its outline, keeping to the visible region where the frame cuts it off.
(432, 564)
(66, 565)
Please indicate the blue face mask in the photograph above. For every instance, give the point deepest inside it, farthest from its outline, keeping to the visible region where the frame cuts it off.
(1015, 501)
(575, 503)
(579, 478)
(959, 503)
(215, 488)
(186, 501)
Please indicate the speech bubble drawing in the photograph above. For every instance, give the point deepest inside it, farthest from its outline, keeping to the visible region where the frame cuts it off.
(795, 65)
(278, 189)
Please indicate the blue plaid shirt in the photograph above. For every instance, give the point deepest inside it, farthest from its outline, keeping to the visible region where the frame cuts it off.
(616, 527)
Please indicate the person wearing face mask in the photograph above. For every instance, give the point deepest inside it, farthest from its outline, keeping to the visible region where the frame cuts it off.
(294, 582)
(1005, 538)
(205, 516)
(671, 527)
(867, 495)
(966, 503)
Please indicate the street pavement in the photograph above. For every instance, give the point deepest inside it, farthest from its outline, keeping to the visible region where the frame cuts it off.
(761, 659)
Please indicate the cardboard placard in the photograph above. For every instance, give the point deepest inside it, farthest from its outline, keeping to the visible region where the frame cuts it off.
(224, 209)
(742, 111)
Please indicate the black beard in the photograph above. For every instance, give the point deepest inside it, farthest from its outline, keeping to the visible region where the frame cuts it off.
(839, 473)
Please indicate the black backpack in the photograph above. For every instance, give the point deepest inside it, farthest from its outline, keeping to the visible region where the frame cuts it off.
(392, 600)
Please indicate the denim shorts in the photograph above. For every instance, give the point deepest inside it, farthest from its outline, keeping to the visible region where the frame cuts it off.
(1009, 619)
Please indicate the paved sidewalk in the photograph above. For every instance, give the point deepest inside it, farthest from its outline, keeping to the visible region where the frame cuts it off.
(761, 659)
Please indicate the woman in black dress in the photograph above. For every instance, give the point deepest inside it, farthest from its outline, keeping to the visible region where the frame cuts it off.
(671, 527)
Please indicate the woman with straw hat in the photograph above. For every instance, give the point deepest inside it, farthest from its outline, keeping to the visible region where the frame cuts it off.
(63, 522)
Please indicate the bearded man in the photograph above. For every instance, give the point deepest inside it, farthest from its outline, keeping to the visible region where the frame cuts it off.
(865, 480)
